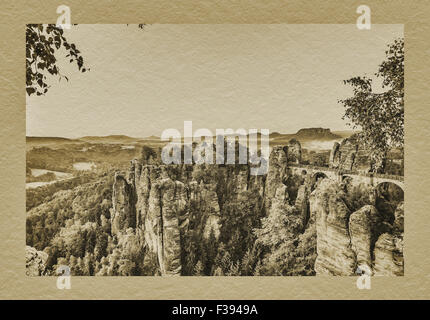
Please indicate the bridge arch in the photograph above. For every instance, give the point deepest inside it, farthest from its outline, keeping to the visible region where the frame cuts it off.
(316, 178)
(346, 178)
(380, 181)
(390, 186)
(313, 173)
(388, 196)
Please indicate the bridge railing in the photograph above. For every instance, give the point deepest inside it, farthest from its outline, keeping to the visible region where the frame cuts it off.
(350, 172)
(310, 166)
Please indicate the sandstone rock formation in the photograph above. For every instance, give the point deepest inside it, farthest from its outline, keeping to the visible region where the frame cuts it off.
(350, 155)
(389, 256)
(123, 205)
(164, 204)
(204, 197)
(399, 218)
(302, 202)
(294, 153)
(334, 158)
(389, 248)
(276, 174)
(334, 252)
(363, 230)
(347, 240)
(159, 209)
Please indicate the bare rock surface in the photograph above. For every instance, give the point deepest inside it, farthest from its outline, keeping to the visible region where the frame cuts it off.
(164, 203)
(351, 155)
(388, 256)
(294, 151)
(276, 173)
(347, 240)
(124, 215)
(334, 251)
(362, 225)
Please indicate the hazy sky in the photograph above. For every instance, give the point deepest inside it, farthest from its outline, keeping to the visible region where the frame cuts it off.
(280, 77)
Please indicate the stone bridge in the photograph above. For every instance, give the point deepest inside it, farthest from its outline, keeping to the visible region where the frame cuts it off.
(373, 179)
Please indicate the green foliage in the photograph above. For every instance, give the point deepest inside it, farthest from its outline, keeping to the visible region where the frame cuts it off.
(61, 157)
(37, 196)
(239, 218)
(287, 247)
(43, 43)
(240, 213)
(380, 115)
(74, 227)
(71, 222)
(148, 154)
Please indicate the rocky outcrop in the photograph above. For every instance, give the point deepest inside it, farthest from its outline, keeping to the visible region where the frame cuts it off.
(124, 214)
(276, 174)
(204, 198)
(294, 153)
(363, 229)
(399, 218)
(167, 209)
(334, 158)
(389, 256)
(389, 248)
(347, 240)
(351, 155)
(334, 251)
(165, 204)
(302, 202)
(35, 261)
(159, 207)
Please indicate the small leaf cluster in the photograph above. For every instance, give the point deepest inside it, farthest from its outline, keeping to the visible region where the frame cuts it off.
(43, 43)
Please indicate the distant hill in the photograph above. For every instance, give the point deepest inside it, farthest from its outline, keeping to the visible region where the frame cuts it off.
(112, 139)
(345, 133)
(151, 138)
(306, 134)
(321, 134)
(109, 139)
(48, 140)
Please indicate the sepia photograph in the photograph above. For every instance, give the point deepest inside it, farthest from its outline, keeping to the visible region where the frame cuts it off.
(214, 150)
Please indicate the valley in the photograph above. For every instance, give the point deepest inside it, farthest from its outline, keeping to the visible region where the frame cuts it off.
(117, 210)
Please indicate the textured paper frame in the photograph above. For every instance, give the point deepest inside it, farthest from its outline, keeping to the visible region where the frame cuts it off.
(14, 284)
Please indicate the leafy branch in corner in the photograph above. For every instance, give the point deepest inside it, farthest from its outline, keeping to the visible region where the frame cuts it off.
(42, 44)
(380, 115)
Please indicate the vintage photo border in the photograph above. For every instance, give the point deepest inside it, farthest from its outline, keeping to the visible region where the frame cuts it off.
(14, 284)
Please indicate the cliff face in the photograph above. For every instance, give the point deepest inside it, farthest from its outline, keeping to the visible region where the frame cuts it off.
(316, 134)
(165, 202)
(166, 205)
(123, 206)
(347, 240)
(350, 155)
(294, 152)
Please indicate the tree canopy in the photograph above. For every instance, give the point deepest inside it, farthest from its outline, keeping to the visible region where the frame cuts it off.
(380, 115)
(44, 44)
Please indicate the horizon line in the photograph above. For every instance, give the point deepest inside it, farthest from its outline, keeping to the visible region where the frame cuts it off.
(158, 137)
